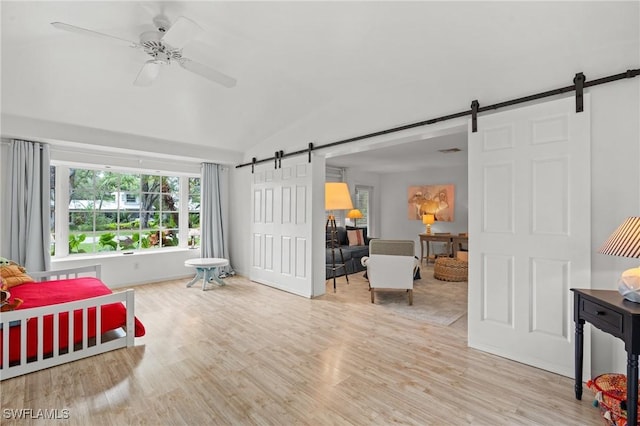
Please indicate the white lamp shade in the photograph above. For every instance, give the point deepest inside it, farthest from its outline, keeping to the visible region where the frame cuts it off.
(625, 242)
(336, 196)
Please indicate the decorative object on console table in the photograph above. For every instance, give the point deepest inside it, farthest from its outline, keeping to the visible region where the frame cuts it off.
(625, 241)
(428, 219)
(336, 197)
(355, 214)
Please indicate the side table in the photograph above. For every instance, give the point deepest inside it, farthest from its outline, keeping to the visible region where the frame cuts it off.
(611, 313)
(207, 269)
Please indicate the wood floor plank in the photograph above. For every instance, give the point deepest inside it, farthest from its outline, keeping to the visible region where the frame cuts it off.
(247, 354)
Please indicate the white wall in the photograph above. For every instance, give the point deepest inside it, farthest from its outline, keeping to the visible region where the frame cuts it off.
(125, 270)
(615, 178)
(395, 223)
(240, 213)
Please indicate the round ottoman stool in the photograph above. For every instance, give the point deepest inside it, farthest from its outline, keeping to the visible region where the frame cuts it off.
(448, 269)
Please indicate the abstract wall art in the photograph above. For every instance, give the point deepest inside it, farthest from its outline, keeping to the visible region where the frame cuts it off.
(436, 199)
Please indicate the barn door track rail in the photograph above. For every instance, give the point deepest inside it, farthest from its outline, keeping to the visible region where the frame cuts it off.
(579, 84)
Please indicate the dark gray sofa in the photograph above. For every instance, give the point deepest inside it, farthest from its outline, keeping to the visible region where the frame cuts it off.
(352, 254)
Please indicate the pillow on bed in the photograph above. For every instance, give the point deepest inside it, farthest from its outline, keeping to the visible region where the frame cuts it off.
(14, 275)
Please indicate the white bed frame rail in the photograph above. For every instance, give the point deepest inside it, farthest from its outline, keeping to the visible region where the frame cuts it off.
(61, 274)
(74, 351)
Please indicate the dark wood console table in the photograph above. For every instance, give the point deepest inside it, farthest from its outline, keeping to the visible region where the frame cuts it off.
(611, 313)
(452, 240)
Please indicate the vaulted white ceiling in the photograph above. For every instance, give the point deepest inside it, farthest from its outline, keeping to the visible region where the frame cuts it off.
(306, 71)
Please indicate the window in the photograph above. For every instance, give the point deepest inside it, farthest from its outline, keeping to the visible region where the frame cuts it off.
(113, 211)
(52, 209)
(194, 212)
(363, 203)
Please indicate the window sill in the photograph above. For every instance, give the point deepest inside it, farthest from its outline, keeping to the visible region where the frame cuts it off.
(106, 255)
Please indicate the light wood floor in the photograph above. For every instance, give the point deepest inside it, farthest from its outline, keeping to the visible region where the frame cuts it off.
(248, 354)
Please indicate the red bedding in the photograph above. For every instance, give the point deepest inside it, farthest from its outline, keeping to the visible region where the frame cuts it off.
(61, 291)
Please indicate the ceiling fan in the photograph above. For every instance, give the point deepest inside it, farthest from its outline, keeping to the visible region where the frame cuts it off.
(164, 46)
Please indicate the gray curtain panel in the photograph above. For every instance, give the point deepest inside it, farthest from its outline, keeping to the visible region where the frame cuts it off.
(212, 238)
(26, 221)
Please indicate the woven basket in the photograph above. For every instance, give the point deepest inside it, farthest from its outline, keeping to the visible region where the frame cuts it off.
(610, 390)
(447, 269)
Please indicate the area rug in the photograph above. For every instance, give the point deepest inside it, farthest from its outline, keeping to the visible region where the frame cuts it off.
(434, 301)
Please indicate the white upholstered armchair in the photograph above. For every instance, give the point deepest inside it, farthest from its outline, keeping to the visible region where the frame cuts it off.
(390, 266)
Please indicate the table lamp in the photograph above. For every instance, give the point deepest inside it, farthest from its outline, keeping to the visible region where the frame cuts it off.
(625, 242)
(428, 219)
(355, 214)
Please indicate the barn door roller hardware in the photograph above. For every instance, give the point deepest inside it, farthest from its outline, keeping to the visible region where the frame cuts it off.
(474, 115)
(579, 85)
(578, 80)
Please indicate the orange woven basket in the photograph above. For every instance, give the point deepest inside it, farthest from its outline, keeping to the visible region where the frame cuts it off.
(611, 395)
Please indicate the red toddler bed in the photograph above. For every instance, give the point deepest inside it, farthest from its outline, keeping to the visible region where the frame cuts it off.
(40, 335)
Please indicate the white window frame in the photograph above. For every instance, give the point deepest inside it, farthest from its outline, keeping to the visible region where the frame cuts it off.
(62, 208)
(358, 205)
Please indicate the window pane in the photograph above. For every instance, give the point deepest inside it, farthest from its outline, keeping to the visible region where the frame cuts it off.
(52, 210)
(148, 220)
(362, 201)
(150, 183)
(81, 184)
(170, 184)
(194, 213)
(194, 220)
(106, 220)
(169, 203)
(129, 240)
(169, 220)
(125, 211)
(194, 194)
(81, 221)
(128, 220)
(81, 242)
(107, 241)
(169, 238)
(150, 201)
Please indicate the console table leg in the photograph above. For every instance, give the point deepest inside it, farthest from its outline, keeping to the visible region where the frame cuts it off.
(579, 358)
(632, 389)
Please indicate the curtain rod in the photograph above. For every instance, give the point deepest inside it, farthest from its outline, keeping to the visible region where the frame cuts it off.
(579, 84)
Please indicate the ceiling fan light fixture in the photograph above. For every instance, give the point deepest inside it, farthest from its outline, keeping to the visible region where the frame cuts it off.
(148, 73)
(163, 46)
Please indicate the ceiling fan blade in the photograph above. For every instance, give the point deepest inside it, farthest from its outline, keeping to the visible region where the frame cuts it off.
(181, 32)
(148, 73)
(79, 30)
(208, 73)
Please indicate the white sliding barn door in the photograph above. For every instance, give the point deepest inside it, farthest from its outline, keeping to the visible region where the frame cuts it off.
(281, 230)
(529, 232)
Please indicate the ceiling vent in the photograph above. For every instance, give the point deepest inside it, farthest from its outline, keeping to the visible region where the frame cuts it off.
(449, 150)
